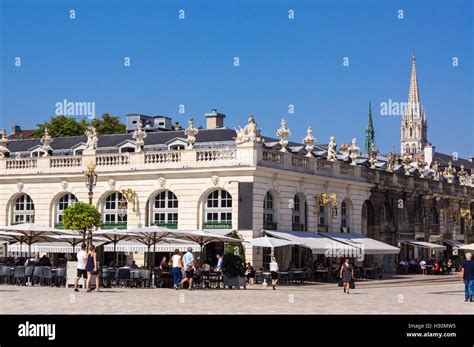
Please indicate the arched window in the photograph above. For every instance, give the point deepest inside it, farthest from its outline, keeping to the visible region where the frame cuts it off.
(64, 202)
(114, 212)
(218, 210)
(434, 216)
(367, 215)
(164, 211)
(299, 213)
(345, 216)
(23, 210)
(269, 221)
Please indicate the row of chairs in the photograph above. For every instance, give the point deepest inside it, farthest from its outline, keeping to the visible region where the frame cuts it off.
(38, 275)
(124, 277)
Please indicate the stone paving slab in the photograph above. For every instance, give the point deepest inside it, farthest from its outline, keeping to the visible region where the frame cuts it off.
(420, 297)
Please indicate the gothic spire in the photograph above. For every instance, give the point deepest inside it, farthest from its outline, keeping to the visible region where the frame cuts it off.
(413, 96)
(369, 132)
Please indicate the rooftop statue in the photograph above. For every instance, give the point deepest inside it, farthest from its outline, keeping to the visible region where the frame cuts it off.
(191, 133)
(283, 133)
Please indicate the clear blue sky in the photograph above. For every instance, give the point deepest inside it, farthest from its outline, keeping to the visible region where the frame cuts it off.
(282, 62)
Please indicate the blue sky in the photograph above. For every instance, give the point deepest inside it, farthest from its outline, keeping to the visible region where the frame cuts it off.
(282, 62)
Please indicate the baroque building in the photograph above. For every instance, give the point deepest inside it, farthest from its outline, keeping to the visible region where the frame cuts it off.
(225, 179)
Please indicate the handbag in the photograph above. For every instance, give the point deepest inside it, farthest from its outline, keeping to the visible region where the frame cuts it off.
(340, 283)
(352, 284)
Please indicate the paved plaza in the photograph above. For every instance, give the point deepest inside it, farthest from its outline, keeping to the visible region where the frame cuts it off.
(419, 295)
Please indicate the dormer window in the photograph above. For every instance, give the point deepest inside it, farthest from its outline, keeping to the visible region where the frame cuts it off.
(37, 153)
(127, 149)
(177, 144)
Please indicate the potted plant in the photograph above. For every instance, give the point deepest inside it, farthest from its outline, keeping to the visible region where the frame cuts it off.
(233, 264)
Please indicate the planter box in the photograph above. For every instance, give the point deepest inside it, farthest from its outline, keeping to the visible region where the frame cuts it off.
(235, 282)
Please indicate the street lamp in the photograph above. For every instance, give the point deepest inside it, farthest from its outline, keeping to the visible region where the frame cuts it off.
(91, 181)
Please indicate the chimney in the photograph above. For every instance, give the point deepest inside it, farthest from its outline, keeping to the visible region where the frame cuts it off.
(15, 129)
(428, 153)
(214, 119)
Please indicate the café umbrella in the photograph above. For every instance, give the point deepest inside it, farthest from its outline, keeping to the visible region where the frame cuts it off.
(31, 233)
(270, 242)
(150, 236)
(114, 236)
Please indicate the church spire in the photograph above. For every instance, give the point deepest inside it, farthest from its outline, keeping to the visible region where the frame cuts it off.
(413, 96)
(369, 132)
(414, 125)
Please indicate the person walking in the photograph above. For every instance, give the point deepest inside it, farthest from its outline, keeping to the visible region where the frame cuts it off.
(467, 275)
(347, 275)
(274, 272)
(81, 266)
(176, 268)
(188, 266)
(91, 268)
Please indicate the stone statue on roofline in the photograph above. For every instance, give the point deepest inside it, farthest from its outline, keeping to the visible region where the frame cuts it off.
(309, 141)
(392, 160)
(3, 144)
(332, 149)
(92, 139)
(139, 134)
(435, 171)
(46, 141)
(353, 151)
(406, 160)
(191, 133)
(422, 167)
(283, 133)
(463, 176)
(249, 133)
(449, 172)
(373, 153)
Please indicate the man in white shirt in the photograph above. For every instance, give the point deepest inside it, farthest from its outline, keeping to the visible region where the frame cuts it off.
(81, 265)
(188, 258)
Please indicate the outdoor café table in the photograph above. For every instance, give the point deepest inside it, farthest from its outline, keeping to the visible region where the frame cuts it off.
(427, 269)
(266, 277)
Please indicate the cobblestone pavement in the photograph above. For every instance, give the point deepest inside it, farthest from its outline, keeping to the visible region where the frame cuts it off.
(374, 297)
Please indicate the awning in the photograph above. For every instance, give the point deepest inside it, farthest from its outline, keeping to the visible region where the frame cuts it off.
(367, 244)
(318, 244)
(45, 247)
(135, 246)
(453, 243)
(423, 244)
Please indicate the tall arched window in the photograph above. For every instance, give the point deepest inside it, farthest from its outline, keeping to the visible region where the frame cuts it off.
(114, 212)
(23, 210)
(269, 221)
(218, 210)
(64, 202)
(345, 215)
(164, 210)
(299, 213)
(434, 216)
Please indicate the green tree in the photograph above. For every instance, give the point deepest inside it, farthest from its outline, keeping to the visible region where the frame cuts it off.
(61, 126)
(109, 125)
(81, 217)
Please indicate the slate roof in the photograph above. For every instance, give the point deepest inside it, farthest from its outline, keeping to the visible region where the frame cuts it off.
(153, 138)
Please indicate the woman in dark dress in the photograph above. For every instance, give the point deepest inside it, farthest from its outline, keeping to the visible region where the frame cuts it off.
(91, 268)
(346, 273)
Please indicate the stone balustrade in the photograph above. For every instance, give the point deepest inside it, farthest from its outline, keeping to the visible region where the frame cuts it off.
(248, 155)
